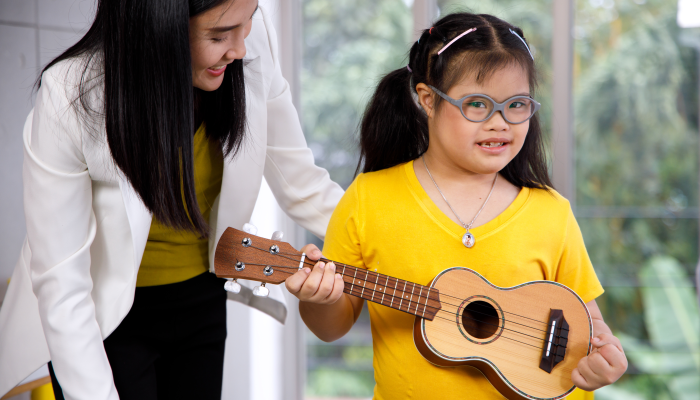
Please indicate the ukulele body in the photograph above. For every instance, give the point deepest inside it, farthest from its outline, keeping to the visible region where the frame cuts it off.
(507, 342)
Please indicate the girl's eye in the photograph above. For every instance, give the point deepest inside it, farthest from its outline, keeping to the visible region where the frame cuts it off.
(476, 104)
(218, 40)
(517, 104)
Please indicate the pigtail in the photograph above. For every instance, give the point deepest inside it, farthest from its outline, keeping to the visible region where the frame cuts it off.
(394, 129)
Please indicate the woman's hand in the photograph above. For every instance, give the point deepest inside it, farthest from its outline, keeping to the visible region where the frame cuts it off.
(320, 285)
(607, 361)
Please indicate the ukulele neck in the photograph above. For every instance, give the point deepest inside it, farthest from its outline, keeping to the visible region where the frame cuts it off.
(419, 300)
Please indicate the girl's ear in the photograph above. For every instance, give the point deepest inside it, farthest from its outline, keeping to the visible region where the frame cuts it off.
(426, 98)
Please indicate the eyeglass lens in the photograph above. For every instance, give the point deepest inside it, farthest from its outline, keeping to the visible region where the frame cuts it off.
(477, 109)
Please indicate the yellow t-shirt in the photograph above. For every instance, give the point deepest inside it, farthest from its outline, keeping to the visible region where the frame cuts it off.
(388, 223)
(177, 255)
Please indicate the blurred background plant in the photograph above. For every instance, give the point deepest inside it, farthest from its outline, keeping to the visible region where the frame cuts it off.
(636, 132)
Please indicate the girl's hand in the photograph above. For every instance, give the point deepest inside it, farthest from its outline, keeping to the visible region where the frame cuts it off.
(320, 285)
(605, 364)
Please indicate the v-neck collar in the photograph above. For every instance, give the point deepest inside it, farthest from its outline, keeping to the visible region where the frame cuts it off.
(453, 228)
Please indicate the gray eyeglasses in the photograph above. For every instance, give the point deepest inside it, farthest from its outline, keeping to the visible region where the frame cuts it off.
(480, 107)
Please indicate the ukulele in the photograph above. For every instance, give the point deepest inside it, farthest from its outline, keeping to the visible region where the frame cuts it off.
(525, 339)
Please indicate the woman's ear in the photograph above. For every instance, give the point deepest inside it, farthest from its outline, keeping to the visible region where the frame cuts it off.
(426, 98)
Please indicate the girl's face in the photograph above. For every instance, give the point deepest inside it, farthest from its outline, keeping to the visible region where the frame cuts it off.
(216, 39)
(476, 147)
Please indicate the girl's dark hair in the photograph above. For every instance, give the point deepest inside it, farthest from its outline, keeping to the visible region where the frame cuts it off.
(142, 50)
(394, 129)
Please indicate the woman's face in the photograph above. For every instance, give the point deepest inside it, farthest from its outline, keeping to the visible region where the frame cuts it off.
(216, 39)
(478, 147)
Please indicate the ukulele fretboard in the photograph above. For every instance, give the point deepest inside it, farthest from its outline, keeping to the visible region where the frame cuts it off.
(419, 300)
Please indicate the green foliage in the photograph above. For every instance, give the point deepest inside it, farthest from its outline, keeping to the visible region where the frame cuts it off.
(348, 46)
(339, 382)
(672, 320)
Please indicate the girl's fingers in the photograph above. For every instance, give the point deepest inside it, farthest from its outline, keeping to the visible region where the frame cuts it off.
(312, 252)
(325, 287)
(294, 282)
(310, 286)
(338, 286)
(579, 380)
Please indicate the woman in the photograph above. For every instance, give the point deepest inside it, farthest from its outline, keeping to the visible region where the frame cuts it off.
(148, 139)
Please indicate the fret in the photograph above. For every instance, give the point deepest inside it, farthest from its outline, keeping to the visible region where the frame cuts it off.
(364, 282)
(394, 295)
(353, 280)
(421, 292)
(375, 287)
(409, 302)
(384, 291)
(426, 302)
(343, 273)
(402, 295)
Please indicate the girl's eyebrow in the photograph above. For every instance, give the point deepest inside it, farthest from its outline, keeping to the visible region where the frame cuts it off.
(221, 29)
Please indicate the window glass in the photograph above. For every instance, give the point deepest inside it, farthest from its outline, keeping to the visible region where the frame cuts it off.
(636, 135)
(348, 46)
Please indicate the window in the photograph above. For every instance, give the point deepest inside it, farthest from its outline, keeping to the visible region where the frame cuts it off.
(348, 45)
(636, 135)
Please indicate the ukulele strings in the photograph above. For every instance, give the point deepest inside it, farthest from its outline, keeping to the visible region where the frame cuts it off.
(439, 310)
(439, 316)
(311, 263)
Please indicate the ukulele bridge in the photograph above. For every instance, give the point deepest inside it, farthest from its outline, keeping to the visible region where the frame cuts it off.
(554, 348)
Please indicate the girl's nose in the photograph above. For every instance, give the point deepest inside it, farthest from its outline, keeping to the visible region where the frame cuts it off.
(497, 122)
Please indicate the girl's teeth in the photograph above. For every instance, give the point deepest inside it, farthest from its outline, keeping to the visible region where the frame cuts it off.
(491, 144)
(217, 68)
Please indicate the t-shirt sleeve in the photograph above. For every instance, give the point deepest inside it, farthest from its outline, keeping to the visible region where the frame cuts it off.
(343, 239)
(575, 269)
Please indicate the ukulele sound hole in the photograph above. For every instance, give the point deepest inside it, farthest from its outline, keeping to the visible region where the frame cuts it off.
(480, 319)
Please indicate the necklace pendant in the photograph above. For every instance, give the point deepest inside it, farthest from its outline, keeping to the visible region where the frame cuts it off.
(468, 240)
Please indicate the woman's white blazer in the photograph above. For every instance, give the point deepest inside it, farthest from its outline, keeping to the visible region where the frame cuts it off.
(87, 229)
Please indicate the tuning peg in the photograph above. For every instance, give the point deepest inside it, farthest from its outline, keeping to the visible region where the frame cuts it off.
(277, 235)
(261, 291)
(232, 286)
(250, 228)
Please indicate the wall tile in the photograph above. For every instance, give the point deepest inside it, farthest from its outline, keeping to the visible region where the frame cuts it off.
(52, 43)
(20, 11)
(17, 73)
(73, 15)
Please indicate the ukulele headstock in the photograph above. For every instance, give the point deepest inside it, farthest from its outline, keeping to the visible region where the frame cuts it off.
(240, 255)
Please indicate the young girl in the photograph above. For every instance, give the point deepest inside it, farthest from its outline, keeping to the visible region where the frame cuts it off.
(456, 178)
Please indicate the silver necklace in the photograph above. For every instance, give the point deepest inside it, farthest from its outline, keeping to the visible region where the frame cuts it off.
(468, 239)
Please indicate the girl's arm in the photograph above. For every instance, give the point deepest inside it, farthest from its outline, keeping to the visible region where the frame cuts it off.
(326, 310)
(606, 363)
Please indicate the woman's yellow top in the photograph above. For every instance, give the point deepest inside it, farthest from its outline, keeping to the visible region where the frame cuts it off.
(388, 223)
(177, 255)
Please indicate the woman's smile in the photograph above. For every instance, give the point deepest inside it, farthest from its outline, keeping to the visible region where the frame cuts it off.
(216, 71)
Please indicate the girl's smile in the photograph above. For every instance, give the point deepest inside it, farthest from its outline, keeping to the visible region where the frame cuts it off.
(475, 147)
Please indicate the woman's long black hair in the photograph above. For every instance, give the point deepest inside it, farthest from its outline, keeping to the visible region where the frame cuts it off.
(394, 129)
(142, 48)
